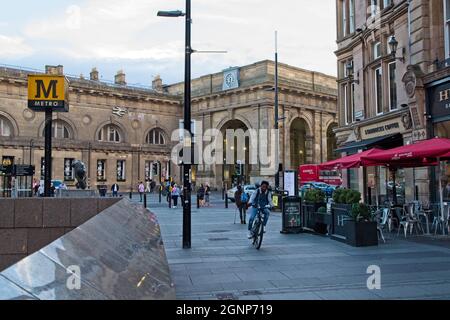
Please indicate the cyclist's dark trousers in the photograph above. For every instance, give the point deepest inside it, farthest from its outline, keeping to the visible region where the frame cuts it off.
(243, 212)
(175, 200)
(253, 213)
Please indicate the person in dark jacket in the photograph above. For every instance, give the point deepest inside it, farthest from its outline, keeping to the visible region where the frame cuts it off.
(241, 205)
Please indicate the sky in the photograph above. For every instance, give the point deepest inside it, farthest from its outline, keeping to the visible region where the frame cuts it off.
(127, 34)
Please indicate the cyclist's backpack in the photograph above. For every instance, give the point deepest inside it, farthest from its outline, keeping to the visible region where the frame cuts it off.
(244, 197)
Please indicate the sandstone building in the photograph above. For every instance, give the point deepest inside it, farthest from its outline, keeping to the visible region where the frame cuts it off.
(123, 133)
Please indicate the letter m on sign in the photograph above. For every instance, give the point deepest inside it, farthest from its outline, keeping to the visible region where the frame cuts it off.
(42, 90)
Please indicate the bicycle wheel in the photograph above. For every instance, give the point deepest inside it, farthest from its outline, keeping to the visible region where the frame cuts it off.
(259, 237)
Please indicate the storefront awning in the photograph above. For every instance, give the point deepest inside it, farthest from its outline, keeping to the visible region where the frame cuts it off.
(391, 141)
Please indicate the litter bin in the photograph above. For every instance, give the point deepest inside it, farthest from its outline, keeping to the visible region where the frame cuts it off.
(292, 215)
(102, 190)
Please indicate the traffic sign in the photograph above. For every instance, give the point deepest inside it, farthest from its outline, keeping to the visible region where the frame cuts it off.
(47, 92)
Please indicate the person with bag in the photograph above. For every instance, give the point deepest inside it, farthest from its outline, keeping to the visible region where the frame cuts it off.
(175, 194)
(241, 199)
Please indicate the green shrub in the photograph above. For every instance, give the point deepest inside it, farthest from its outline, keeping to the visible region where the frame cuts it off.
(346, 196)
(314, 196)
(322, 210)
(360, 212)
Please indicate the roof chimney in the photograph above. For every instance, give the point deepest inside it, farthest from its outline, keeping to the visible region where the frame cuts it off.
(94, 74)
(54, 70)
(120, 78)
(157, 84)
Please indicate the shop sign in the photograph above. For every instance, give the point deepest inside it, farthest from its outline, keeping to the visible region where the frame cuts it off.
(384, 128)
(440, 100)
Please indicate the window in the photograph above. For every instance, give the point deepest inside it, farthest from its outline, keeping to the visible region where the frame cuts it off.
(5, 128)
(378, 90)
(374, 7)
(344, 18)
(110, 133)
(392, 86)
(447, 27)
(376, 50)
(347, 16)
(101, 170)
(155, 136)
(60, 130)
(349, 103)
(121, 170)
(68, 170)
(351, 9)
(148, 170)
(151, 170)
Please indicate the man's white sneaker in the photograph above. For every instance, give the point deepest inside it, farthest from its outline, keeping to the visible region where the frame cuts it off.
(249, 235)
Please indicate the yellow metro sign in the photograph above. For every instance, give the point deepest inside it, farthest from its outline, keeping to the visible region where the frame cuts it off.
(47, 92)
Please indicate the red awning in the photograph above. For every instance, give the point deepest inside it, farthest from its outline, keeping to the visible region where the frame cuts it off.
(424, 153)
(353, 161)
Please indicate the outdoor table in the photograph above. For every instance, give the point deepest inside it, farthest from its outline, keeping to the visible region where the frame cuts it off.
(426, 213)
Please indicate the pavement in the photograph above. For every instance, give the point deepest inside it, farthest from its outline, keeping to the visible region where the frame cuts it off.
(223, 265)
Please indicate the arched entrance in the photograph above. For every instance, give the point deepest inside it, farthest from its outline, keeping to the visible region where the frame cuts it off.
(236, 168)
(331, 142)
(300, 144)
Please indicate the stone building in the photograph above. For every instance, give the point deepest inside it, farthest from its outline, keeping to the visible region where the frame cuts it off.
(391, 54)
(123, 133)
(243, 98)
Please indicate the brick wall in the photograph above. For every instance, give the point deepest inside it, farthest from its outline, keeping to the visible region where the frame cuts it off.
(27, 225)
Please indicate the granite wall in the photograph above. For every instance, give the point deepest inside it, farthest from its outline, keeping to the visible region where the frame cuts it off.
(27, 225)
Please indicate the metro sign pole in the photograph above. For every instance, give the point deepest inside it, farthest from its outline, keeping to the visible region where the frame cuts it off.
(47, 93)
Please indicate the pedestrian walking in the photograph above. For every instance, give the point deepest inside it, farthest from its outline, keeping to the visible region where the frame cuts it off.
(152, 186)
(115, 190)
(201, 195)
(141, 189)
(241, 199)
(175, 194)
(207, 194)
(147, 186)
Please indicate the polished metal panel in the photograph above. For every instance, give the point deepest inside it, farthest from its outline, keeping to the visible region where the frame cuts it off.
(119, 255)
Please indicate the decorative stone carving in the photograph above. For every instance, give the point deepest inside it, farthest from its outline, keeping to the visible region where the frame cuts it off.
(410, 80)
(407, 121)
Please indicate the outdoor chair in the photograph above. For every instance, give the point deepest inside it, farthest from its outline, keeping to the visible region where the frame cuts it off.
(383, 221)
(410, 221)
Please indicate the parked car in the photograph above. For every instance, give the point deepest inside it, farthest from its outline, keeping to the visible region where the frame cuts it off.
(249, 189)
(328, 189)
(56, 183)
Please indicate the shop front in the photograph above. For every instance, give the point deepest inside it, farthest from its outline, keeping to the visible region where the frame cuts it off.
(438, 98)
(377, 184)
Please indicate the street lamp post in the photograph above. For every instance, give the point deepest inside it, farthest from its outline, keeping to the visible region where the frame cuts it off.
(277, 175)
(187, 122)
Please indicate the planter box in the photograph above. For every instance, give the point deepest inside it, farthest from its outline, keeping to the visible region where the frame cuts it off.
(309, 214)
(341, 214)
(361, 234)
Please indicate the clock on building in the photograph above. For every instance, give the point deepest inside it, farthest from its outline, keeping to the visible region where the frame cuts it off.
(231, 79)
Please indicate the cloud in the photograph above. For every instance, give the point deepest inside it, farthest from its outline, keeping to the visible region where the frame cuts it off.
(129, 33)
(13, 47)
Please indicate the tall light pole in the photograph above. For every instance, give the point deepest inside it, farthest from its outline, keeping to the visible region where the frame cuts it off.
(187, 123)
(277, 175)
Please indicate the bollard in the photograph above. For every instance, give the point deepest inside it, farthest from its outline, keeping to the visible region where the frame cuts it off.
(160, 194)
(226, 200)
(170, 202)
(198, 202)
(131, 194)
(223, 193)
(145, 200)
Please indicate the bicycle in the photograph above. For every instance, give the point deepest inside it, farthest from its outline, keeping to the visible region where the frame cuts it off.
(258, 228)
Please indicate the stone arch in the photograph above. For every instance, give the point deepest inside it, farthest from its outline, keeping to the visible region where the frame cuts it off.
(123, 131)
(68, 123)
(163, 131)
(331, 142)
(12, 122)
(300, 142)
(236, 117)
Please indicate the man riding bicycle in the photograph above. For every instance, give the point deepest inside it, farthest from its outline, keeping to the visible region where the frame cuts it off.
(262, 198)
